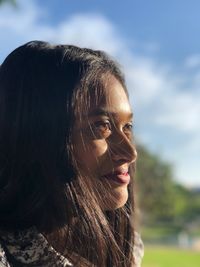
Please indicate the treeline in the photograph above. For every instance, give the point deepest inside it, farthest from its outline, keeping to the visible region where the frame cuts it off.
(160, 197)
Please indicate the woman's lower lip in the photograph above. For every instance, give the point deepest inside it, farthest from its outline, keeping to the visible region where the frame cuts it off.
(123, 178)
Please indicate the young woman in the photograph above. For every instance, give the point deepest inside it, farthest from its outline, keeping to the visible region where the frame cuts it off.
(66, 160)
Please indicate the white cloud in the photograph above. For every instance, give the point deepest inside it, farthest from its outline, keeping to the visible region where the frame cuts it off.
(162, 101)
(142, 78)
(180, 111)
(20, 18)
(23, 24)
(193, 61)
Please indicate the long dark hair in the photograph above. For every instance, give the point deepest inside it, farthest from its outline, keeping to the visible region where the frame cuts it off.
(42, 87)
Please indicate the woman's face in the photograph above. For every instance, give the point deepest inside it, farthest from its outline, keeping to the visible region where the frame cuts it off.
(103, 147)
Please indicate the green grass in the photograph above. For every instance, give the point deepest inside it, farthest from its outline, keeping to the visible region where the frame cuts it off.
(170, 257)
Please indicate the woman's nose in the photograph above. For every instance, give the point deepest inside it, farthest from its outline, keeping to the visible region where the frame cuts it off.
(122, 149)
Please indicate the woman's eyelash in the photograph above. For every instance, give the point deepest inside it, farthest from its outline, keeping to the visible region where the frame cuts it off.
(103, 125)
(105, 128)
(129, 126)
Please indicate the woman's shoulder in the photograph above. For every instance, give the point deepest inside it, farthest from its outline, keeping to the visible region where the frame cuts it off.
(29, 248)
(138, 251)
(41, 252)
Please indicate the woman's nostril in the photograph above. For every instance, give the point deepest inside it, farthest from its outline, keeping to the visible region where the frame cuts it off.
(126, 154)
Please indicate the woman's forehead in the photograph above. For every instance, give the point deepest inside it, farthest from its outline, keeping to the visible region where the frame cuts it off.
(111, 101)
(113, 97)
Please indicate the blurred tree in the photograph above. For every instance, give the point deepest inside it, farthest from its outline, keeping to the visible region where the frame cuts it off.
(193, 211)
(160, 198)
(155, 187)
(182, 203)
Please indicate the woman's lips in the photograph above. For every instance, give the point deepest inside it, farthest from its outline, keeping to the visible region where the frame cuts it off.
(118, 177)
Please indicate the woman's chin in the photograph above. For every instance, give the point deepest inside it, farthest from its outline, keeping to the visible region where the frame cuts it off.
(117, 200)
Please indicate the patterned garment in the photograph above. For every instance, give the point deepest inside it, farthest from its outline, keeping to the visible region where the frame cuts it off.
(29, 248)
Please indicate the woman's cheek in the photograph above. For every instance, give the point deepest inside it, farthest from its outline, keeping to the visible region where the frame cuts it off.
(91, 155)
(97, 151)
(98, 148)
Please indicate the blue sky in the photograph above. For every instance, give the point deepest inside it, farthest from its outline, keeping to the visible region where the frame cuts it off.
(158, 46)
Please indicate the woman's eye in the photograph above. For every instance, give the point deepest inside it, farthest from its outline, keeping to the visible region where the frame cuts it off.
(101, 128)
(128, 127)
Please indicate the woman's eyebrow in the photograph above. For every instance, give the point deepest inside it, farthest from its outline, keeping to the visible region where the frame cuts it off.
(99, 112)
(106, 112)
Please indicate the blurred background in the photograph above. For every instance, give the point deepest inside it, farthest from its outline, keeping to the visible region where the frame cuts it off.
(158, 46)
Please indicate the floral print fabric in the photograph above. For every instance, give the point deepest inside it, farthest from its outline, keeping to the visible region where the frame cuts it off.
(29, 248)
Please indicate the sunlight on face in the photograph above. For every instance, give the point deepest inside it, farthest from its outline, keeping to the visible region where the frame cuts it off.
(103, 147)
